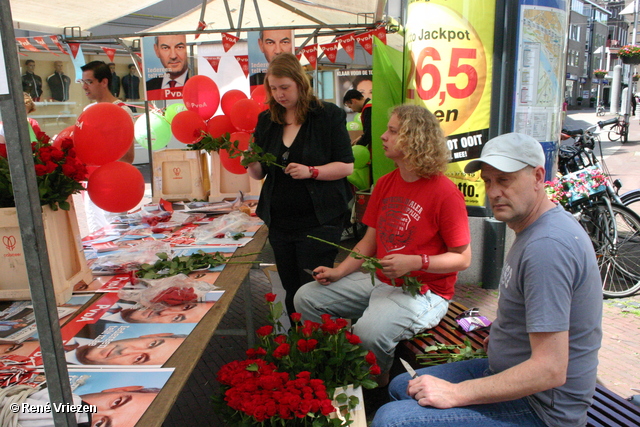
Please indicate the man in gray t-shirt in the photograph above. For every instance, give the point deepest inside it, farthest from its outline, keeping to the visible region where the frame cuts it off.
(543, 346)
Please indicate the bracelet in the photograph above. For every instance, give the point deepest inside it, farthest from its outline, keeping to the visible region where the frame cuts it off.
(425, 262)
(314, 172)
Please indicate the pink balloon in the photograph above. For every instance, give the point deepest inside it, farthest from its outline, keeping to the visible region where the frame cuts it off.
(244, 115)
(116, 187)
(187, 126)
(103, 134)
(233, 164)
(201, 94)
(229, 99)
(259, 94)
(219, 125)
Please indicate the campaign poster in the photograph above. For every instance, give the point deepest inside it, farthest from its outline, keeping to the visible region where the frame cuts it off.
(265, 45)
(448, 59)
(352, 78)
(165, 66)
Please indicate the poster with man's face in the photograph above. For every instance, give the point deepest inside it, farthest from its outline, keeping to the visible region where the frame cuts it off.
(166, 66)
(263, 47)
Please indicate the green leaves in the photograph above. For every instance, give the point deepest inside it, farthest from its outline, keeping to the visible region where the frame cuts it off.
(253, 154)
(167, 267)
(443, 353)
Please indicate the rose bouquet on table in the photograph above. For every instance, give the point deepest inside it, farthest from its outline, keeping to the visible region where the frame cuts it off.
(58, 173)
(291, 377)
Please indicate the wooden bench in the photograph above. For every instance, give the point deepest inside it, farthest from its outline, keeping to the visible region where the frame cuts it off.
(608, 409)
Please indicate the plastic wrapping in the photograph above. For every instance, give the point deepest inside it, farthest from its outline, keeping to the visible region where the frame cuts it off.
(132, 258)
(168, 291)
(223, 226)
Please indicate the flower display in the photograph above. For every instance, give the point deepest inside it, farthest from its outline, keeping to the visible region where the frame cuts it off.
(576, 186)
(599, 73)
(290, 377)
(58, 173)
(629, 50)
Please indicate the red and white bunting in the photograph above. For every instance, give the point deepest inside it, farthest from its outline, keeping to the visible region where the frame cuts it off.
(330, 50)
(228, 41)
(214, 61)
(243, 60)
(348, 43)
(381, 33)
(25, 43)
(299, 55)
(111, 53)
(74, 49)
(201, 26)
(365, 40)
(56, 41)
(41, 42)
(311, 53)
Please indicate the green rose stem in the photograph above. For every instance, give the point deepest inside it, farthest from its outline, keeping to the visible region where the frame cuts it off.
(166, 267)
(253, 154)
(409, 283)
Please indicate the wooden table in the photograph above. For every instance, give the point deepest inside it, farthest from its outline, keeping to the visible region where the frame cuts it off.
(184, 360)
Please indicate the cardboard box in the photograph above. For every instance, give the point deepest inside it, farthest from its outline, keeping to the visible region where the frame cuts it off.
(226, 185)
(66, 256)
(180, 175)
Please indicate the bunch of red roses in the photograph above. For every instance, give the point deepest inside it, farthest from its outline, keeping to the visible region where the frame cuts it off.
(58, 173)
(328, 353)
(259, 393)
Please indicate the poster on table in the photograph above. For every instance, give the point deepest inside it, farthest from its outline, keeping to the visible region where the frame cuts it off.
(119, 397)
(263, 46)
(449, 59)
(165, 66)
(540, 74)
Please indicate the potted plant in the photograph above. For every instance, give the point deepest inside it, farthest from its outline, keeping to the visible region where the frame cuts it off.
(600, 73)
(309, 376)
(579, 100)
(635, 77)
(630, 54)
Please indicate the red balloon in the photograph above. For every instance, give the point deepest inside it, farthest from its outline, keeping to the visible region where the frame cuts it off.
(219, 125)
(116, 187)
(64, 133)
(187, 126)
(233, 164)
(229, 99)
(201, 94)
(103, 134)
(259, 94)
(244, 115)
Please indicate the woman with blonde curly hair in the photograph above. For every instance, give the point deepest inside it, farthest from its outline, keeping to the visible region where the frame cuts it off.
(309, 196)
(418, 226)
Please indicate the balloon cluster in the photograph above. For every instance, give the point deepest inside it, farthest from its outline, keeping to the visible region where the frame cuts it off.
(195, 119)
(360, 177)
(103, 134)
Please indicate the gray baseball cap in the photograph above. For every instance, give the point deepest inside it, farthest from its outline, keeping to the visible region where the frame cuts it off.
(509, 152)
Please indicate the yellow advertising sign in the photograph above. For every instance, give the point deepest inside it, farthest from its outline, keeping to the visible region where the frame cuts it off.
(448, 53)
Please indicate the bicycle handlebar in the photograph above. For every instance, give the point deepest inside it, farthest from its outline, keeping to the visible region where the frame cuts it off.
(604, 123)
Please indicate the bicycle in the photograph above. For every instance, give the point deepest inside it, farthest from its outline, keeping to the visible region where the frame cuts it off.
(613, 228)
(618, 130)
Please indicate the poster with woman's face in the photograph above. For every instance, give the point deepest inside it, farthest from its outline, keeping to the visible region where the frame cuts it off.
(359, 79)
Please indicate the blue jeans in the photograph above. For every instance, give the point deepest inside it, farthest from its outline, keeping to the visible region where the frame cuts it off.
(384, 314)
(404, 411)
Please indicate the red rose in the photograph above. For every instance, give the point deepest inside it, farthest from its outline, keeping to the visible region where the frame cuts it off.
(306, 346)
(342, 323)
(370, 358)
(270, 297)
(330, 327)
(424, 289)
(325, 318)
(296, 317)
(265, 330)
(3, 150)
(352, 338)
(41, 170)
(51, 167)
(256, 352)
(56, 155)
(280, 339)
(281, 351)
(375, 370)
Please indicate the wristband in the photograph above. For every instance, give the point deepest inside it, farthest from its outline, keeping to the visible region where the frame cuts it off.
(314, 172)
(425, 262)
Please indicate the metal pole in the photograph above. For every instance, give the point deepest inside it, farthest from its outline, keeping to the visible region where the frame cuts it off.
(27, 199)
(629, 72)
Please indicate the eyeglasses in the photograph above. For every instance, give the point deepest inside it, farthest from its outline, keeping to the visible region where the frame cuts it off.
(85, 82)
(285, 158)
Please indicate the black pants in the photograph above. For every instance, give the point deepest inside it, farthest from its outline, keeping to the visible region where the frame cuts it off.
(294, 251)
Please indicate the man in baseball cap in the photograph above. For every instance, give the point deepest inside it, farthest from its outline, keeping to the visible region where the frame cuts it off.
(543, 351)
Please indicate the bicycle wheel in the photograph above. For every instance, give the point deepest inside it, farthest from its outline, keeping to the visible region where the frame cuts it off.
(631, 199)
(617, 246)
(614, 132)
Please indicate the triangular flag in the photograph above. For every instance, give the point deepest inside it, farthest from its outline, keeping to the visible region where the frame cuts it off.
(74, 48)
(111, 53)
(381, 33)
(331, 50)
(348, 43)
(228, 40)
(243, 60)
(214, 61)
(25, 43)
(55, 41)
(299, 55)
(311, 53)
(41, 42)
(201, 26)
(365, 41)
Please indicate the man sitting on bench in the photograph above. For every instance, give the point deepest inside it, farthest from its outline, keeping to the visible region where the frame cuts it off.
(543, 347)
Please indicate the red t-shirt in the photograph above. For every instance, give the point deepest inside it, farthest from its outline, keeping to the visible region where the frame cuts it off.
(422, 217)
